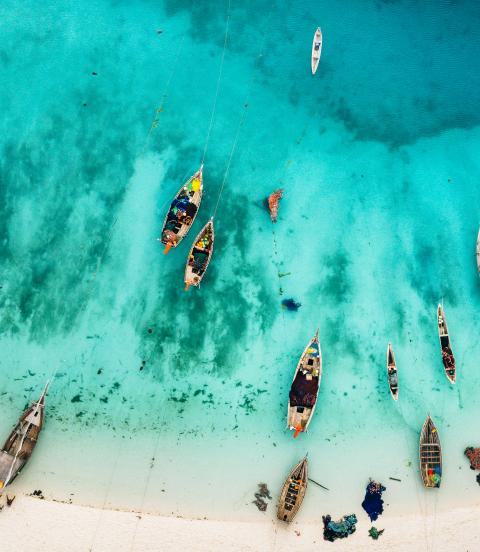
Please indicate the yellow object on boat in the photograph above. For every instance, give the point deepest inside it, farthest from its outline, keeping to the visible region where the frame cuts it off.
(196, 184)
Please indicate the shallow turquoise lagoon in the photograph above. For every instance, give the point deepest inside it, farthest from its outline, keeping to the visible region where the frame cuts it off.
(378, 158)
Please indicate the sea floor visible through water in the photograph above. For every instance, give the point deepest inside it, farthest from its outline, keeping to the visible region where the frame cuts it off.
(175, 403)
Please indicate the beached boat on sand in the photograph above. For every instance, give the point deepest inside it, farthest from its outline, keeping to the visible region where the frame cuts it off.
(392, 373)
(445, 345)
(182, 212)
(305, 386)
(430, 455)
(316, 49)
(199, 256)
(20, 444)
(293, 491)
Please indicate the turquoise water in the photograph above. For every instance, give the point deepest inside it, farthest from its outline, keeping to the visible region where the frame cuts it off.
(378, 157)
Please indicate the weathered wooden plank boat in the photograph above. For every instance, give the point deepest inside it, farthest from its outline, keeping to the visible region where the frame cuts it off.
(21, 442)
(182, 211)
(199, 256)
(305, 386)
(445, 346)
(478, 251)
(392, 373)
(316, 49)
(430, 455)
(293, 491)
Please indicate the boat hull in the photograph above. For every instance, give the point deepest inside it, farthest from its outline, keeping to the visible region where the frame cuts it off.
(316, 49)
(430, 454)
(392, 373)
(183, 211)
(305, 387)
(21, 442)
(448, 358)
(199, 256)
(293, 492)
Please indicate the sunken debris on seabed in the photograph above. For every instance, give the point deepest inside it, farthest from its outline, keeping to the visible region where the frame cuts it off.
(291, 304)
(375, 533)
(473, 454)
(373, 503)
(260, 495)
(333, 530)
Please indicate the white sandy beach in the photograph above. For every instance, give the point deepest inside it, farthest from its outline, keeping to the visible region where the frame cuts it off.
(31, 524)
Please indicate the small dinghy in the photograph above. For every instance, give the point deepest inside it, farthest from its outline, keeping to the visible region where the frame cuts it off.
(273, 203)
(20, 444)
(199, 256)
(445, 345)
(182, 212)
(316, 49)
(478, 251)
(430, 455)
(392, 373)
(293, 492)
(305, 387)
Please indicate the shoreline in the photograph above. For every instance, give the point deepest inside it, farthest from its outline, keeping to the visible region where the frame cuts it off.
(31, 524)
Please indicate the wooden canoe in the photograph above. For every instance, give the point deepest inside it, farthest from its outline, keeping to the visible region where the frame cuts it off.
(392, 373)
(305, 387)
(21, 442)
(430, 455)
(445, 345)
(478, 251)
(182, 211)
(293, 492)
(199, 256)
(316, 49)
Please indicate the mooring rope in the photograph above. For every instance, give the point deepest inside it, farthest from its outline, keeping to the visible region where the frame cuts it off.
(214, 107)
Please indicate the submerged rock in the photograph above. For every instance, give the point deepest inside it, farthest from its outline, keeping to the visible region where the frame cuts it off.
(478, 478)
(373, 503)
(333, 530)
(291, 304)
(473, 454)
(375, 533)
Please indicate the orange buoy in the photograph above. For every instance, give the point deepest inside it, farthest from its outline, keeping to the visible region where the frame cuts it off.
(167, 248)
(298, 429)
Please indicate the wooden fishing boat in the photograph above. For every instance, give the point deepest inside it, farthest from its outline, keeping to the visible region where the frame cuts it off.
(182, 212)
(445, 345)
(20, 444)
(305, 386)
(430, 455)
(478, 251)
(316, 49)
(199, 256)
(293, 491)
(392, 373)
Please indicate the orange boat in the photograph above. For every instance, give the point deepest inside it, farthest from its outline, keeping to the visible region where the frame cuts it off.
(273, 203)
